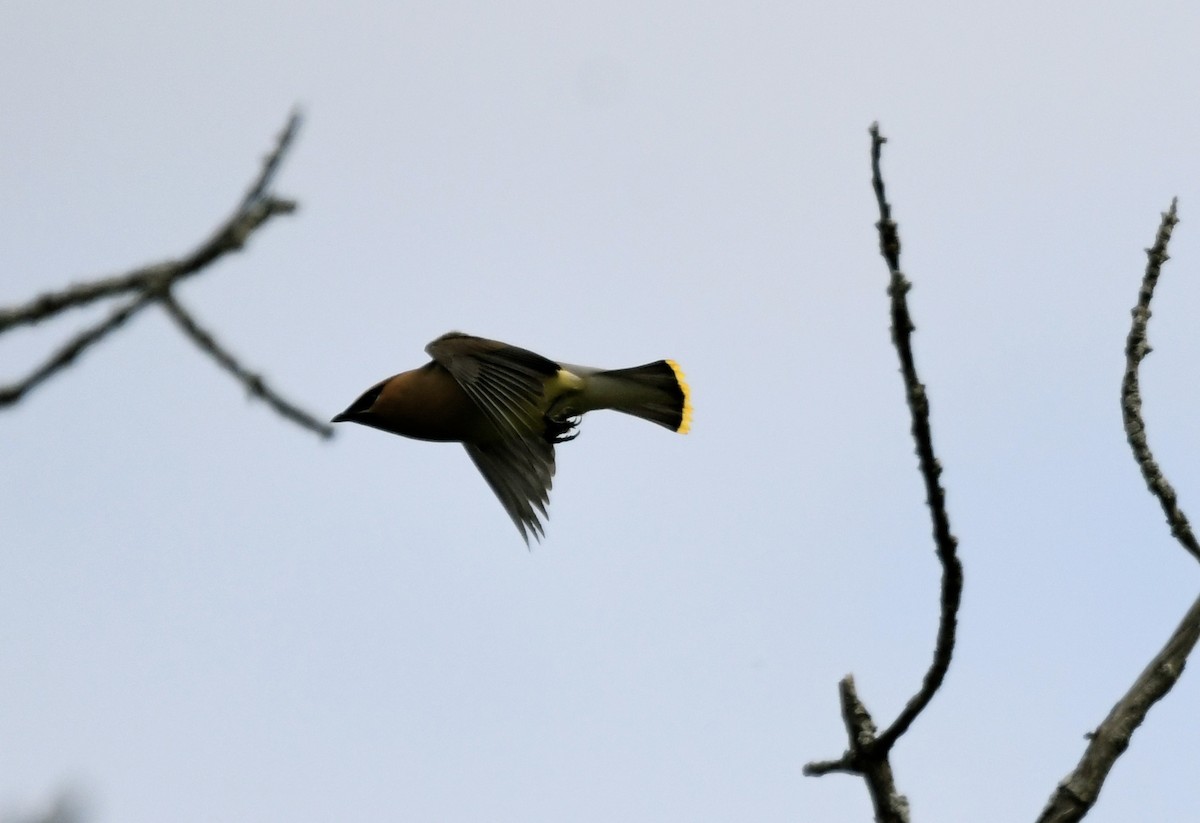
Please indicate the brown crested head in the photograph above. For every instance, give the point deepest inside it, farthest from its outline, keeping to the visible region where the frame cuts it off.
(360, 410)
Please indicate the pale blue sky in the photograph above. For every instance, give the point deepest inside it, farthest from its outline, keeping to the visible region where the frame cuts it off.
(208, 615)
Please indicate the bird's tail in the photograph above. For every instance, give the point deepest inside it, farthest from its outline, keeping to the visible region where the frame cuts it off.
(656, 392)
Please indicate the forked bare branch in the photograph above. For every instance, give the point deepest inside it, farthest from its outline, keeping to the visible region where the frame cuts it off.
(868, 753)
(151, 284)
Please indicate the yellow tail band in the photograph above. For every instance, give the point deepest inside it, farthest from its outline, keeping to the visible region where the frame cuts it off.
(685, 421)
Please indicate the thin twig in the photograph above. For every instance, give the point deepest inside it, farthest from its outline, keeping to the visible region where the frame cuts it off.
(283, 143)
(868, 752)
(1136, 349)
(255, 208)
(47, 305)
(1078, 791)
(231, 236)
(154, 283)
(254, 383)
(918, 402)
(65, 356)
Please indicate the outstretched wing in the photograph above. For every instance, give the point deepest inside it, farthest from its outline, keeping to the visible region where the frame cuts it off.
(507, 383)
(520, 472)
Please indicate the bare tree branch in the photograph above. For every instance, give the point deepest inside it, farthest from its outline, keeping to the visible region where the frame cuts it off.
(1136, 349)
(868, 753)
(1078, 791)
(255, 208)
(890, 806)
(918, 403)
(153, 283)
(48, 305)
(254, 383)
(65, 356)
(259, 189)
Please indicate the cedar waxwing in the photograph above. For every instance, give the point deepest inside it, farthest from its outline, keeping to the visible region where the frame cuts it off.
(509, 407)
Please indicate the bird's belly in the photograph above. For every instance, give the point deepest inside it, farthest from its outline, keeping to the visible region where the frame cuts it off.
(451, 424)
(447, 414)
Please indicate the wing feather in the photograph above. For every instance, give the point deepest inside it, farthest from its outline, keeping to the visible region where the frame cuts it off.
(521, 474)
(506, 382)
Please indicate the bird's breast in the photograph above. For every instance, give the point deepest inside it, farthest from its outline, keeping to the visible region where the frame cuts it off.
(428, 404)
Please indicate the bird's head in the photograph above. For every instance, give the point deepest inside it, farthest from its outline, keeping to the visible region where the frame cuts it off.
(360, 410)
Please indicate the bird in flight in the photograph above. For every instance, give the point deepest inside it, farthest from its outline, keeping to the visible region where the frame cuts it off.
(510, 407)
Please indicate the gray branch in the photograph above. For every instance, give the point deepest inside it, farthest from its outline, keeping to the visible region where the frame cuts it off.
(1136, 349)
(868, 752)
(256, 207)
(863, 758)
(1078, 791)
(153, 283)
(65, 356)
(254, 383)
